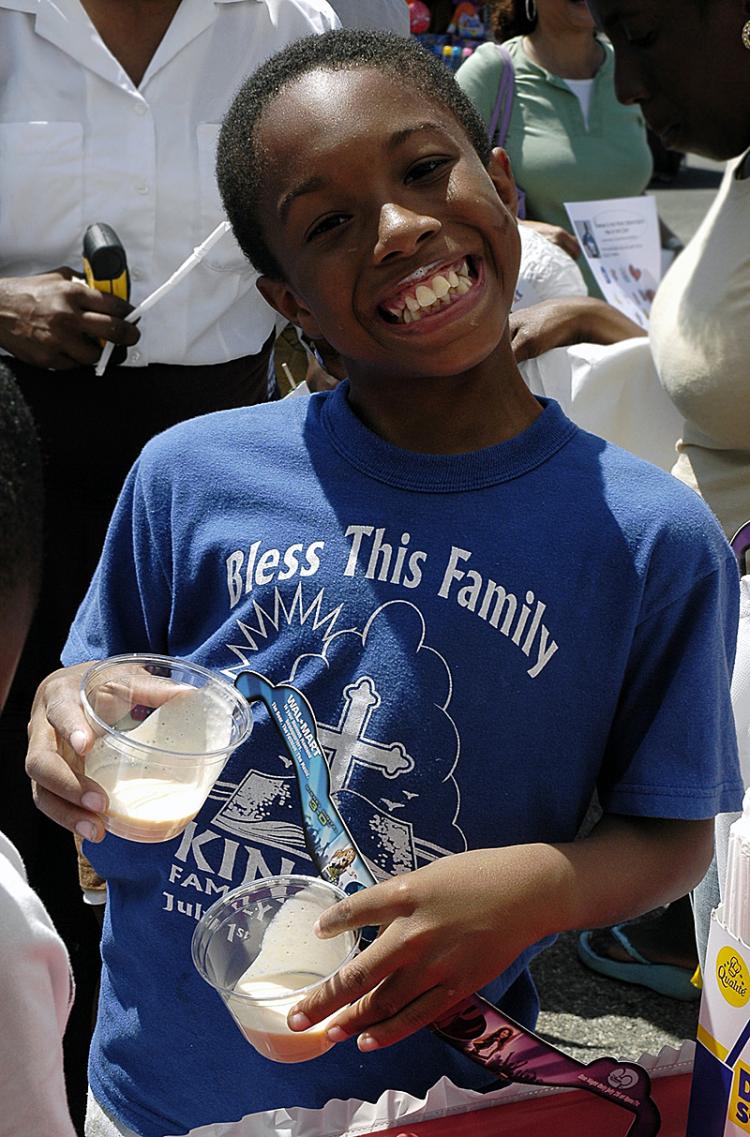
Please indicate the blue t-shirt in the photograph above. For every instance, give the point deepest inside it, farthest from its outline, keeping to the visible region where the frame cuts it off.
(485, 640)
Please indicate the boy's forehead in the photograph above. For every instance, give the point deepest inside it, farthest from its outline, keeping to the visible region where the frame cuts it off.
(342, 85)
(325, 109)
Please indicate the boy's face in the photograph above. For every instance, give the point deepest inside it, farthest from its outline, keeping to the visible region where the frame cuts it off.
(376, 202)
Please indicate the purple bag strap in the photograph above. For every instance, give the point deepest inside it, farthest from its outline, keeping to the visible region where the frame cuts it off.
(497, 131)
(741, 544)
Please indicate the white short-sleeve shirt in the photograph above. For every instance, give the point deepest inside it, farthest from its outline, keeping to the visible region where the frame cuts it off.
(36, 991)
(79, 143)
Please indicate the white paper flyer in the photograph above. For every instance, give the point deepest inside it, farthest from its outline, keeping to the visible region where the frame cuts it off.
(620, 240)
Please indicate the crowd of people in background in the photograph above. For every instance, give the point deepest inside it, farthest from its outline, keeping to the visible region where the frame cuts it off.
(124, 131)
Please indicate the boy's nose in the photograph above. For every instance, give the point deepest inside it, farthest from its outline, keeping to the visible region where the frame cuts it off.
(400, 230)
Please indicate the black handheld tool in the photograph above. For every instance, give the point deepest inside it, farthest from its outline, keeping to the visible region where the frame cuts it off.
(105, 267)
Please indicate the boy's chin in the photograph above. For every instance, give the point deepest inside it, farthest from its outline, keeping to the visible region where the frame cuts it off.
(445, 365)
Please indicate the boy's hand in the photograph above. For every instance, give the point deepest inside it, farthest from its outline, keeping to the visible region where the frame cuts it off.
(59, 737)
(445, 931)
(449, 928)
(565, 321)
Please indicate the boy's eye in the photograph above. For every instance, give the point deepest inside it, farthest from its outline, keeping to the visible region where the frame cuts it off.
(424, 168)
(326, 224)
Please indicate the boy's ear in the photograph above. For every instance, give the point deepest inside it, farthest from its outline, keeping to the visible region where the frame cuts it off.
(501, 173)
(280, 296)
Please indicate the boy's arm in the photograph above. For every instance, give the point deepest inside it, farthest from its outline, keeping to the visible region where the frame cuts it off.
(449, 928)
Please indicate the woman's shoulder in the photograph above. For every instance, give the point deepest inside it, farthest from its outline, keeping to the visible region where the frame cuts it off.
(489, 58)
(485, 57)
(479, 77)
(512, 47)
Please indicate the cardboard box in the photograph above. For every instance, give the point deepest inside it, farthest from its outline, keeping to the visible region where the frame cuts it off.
(720, 1095)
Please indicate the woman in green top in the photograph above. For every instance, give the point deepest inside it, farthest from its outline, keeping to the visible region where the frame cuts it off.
(569, 139)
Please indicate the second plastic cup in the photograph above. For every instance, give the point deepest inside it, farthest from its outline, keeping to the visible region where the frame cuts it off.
(165, 728)
(257, 948)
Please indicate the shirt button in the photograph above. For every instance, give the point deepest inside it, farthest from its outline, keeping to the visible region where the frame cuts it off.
(142, 188)
(139, 107)
(134, 356)
(136, 273)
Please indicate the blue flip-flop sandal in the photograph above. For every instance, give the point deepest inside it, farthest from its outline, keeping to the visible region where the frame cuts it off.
(666, 979)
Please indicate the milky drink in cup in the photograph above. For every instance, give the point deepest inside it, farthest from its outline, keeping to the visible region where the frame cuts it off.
(257, 947)
(291, 959)
(157, 772)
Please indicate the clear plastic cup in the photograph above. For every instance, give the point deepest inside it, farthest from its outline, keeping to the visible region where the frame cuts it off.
(257, 948)
(165, 728)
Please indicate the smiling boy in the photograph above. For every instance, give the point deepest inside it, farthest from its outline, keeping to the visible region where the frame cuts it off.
(492, 614)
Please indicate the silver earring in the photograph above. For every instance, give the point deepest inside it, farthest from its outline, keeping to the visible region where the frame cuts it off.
(745, 33)
(530, 11)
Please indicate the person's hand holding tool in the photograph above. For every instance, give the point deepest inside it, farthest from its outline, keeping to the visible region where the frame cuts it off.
(56, 321)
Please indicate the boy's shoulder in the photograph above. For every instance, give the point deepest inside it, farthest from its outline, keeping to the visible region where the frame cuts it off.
(237, 430)
(662, 521)
(639, 485)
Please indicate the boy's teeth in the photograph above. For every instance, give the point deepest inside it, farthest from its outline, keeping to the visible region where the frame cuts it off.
(425, 296)
(442, 289)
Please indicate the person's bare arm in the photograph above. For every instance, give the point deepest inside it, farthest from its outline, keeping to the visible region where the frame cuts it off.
(568, 320)
(557, 235)
(449, 928)
(55, 320)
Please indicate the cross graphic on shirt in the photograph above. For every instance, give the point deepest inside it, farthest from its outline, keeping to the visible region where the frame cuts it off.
(347, 743)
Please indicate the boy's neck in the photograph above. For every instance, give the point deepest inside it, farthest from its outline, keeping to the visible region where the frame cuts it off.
(454, 414)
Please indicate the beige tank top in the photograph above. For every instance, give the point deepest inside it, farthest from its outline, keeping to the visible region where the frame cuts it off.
(700, 338)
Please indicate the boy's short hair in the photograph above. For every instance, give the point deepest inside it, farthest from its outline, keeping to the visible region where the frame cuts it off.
(240, 159)
(20, 492)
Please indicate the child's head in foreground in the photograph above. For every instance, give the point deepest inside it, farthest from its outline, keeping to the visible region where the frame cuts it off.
(20, 524)
(359, 181)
